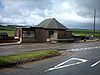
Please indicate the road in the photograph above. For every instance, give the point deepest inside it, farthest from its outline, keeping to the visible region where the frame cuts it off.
(25, 47)
(84, 60)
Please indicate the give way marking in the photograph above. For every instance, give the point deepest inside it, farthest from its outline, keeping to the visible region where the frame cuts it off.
(95, 63)
(61, 65)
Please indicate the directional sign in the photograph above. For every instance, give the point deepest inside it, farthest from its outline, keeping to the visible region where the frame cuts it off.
(64, 64)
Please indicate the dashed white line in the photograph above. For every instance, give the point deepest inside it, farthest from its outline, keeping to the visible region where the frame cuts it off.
(95, 63)
(87, 48)
(96, 47)
(82, 48)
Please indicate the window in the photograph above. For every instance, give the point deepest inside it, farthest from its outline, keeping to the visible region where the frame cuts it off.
(32, 34)
(28, 34)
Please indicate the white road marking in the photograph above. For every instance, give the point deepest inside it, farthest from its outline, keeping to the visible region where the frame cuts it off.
(87, 48)
(95, 63)
(61, 65)
(96, 47)
(72, 49)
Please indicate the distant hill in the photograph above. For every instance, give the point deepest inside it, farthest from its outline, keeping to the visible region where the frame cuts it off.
(9, 27)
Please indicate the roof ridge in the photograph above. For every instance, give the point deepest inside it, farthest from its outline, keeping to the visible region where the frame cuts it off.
(52, 23)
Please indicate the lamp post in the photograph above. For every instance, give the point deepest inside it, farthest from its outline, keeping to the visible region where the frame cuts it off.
(94, 22)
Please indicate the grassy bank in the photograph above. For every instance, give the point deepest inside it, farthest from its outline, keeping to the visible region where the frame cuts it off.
(12, 60)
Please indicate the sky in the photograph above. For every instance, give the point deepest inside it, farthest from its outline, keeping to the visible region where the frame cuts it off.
(71, 13)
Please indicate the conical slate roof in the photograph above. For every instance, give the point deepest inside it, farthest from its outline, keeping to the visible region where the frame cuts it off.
(51, 23)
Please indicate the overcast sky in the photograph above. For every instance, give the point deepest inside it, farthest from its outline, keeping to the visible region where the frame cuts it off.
(71, 13)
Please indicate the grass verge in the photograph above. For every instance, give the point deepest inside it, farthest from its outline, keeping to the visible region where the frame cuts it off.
(12, 60)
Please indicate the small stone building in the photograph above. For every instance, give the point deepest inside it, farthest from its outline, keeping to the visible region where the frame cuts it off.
(49, 30)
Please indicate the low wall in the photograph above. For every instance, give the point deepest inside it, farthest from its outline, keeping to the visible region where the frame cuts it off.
(8, 40)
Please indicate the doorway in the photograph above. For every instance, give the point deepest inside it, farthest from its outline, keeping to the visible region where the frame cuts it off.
(51, 34)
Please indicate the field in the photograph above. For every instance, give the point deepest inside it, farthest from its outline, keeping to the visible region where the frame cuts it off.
(77, 32)
(9, 30)
(10, 33)
(83, 32)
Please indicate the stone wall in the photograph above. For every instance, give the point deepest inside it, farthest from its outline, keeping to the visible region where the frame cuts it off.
(62, 34)
(41, 35)
(28, 39)
(68, 34)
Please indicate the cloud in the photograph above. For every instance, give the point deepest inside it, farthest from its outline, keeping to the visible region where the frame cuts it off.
(31, 12)
(25, 10)
(86, 7)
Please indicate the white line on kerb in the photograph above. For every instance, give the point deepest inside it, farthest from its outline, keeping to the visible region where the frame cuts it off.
(95, 63)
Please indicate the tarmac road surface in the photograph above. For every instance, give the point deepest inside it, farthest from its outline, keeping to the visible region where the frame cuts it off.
(25, 47)
(84, 60)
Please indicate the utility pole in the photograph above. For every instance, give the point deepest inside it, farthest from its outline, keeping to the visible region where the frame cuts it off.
(94, 22)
